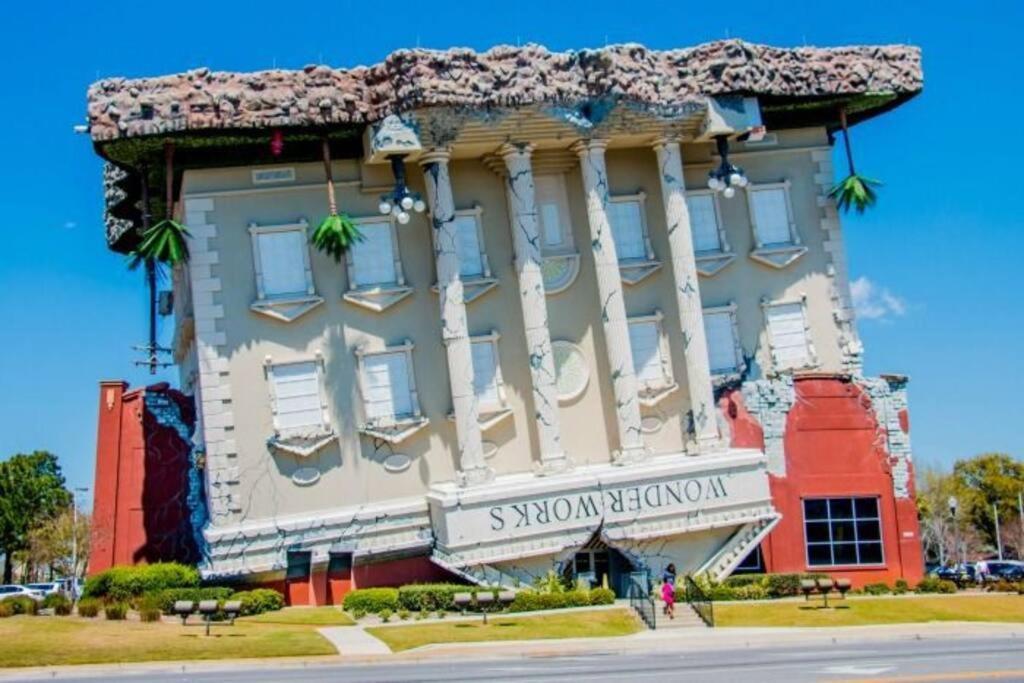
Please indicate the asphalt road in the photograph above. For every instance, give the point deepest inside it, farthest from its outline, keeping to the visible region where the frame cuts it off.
(923, 660)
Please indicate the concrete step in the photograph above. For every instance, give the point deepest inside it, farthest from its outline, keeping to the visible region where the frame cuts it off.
(685, 618)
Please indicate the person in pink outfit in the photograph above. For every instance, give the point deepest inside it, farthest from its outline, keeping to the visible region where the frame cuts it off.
(668, 591)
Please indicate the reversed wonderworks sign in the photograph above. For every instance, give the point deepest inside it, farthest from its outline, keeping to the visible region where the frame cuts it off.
(667, 494)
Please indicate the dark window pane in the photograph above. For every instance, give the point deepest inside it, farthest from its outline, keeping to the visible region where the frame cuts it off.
(582, 563)
(868, 531)
(815, 509)
(298, 565)
(867, 507)
(871, 553)
(339, 563)
(845, 553)
(817, 532)
(819, 555)
(752, 562)
(841, 508)
(842, 531)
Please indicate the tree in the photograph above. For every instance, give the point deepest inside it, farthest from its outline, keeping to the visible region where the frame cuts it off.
(984, 480)
(31, 491)
(938, 532)
(53, 543)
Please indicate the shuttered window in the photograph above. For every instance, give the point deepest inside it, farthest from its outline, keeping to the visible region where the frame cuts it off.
(552, 210)
(467, 246)
(788, 334)
(704, 222)
(771, 215)
(485, 373)
(627, 229)
(282, 262)
(296, 393)
(645, 342)
(373, 257)
(386, 382)
(718, 329)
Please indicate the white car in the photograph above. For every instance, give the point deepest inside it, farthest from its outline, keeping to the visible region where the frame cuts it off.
(11, 591)
(46, 588)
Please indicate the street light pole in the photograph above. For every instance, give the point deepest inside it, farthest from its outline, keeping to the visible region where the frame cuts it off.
(999, 537)
(74, 541)
(953, 503)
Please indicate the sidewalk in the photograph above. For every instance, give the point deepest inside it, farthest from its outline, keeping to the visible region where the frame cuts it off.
(651, 642)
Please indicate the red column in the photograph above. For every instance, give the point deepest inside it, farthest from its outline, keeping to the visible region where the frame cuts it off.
(108, 452)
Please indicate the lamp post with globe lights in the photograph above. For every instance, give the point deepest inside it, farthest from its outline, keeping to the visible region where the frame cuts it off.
(401, 200)
(727, 177)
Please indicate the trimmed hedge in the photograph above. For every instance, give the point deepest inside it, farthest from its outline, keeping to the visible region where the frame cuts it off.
(6, 610)
(371, 600)
(876, 589)
(531, 601)
(59, 603)
(430, 597)
(115, 611)
(124, 584)
(932, 584)
(88, 608)
(259, 600)
(751, 586)
(22, 605)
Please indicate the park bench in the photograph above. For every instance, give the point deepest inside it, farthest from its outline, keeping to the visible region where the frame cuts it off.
(208, 608)
(823, 588)
(484, 599)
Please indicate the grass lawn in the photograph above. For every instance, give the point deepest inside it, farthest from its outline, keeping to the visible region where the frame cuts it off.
(590, 624)
(863, 611)
(302, 616)
(37, 641)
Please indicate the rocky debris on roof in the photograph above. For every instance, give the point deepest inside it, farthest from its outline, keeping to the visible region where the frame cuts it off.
(502, 77)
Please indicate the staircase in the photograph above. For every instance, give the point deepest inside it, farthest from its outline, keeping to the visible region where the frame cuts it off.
(686, 617)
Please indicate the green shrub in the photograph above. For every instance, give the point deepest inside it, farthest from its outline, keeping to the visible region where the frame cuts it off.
(358, 614)
(59, 603)
(880, 588)
(115, 611)
(149, 609)
(531, 601)
(900, 587)
(385, 615)
(259, 600)
(164, 599)
(403, 614)
(739, 580)
(6, 610)
(421, 615)
(602, 596)
(441, 614)
(1001, 586)
(429, 596)
(787, 585)
(124, 584)
(372, 600)
(932, 584)
(88, 608)
(23, 605)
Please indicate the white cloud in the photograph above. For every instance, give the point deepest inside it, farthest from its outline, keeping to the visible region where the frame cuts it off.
(872, 302)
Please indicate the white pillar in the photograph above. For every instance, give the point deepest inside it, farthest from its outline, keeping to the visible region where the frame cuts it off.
(613, 306)
(684, 272)
(454, 329)
(526, 243)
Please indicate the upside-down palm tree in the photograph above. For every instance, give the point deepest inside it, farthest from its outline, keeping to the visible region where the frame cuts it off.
(855, 190)
(337, 232)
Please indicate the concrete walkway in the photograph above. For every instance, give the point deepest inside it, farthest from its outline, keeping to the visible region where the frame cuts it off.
(354, 641)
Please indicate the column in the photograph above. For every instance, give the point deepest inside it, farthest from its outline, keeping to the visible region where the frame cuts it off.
(613, 307)
(684, 272)
(526, 243)
(473, 468)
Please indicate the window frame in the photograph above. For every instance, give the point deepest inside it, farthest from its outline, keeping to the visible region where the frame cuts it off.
(648, 392)
(640, 198)
(289, 306)
(811, 360)
(854, 519)
(317, 361)
(721, 374)
(723, 242)
(492, 338)
(794, 235)
(561, 199)
(476, 213)
(396, 255)
(393, 430)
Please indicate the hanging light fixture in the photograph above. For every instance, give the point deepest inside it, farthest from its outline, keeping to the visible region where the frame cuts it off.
(401, 200)
(727, 177)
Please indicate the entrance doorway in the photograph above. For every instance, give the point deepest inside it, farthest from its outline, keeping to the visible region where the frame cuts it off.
(600, 565)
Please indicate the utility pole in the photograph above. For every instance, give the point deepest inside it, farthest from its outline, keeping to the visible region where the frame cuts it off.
(1020, 517)
(999, 537)
(74, 541)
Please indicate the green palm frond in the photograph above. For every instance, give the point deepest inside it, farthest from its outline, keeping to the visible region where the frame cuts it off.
(855, 191)
(335, 235)
(164, 242)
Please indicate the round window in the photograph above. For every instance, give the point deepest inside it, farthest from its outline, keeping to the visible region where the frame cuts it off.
(571, 370)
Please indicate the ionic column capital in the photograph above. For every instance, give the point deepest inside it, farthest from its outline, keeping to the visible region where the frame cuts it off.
(439, 155)
(667, 142)
(589, 146)
(514, 150)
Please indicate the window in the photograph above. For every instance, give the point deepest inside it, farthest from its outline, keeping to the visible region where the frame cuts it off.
(297, 399)
(388, 388)
(552, 202)
(769, 207)
(651, 363)
(485, 372)
(788, 335)
(753, 563)
(842, 531)
(724, 354)
(626, 217)
(467, 245)
(373, 257)
(704, 221)
(388, 392)
(284, 278)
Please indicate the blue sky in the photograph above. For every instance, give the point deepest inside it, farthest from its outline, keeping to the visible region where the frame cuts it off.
(933, 261)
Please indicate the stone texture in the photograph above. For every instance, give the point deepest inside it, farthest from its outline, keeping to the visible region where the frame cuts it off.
(503, 76)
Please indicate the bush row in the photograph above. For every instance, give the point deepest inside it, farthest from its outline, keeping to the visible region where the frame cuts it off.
(529, 601)
(437, 597)
(125, 584)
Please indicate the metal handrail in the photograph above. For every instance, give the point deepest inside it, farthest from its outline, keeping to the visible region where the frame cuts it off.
(700, 601)
(640, 598)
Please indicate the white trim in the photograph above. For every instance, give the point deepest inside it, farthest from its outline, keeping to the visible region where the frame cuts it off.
(289, 306)
(380, 296)
(794, 235)
(651, 393)
(723, 241)
(737, 370)
(812, 356)
(391, 430)
(318, 362)
(635, 270)
(474, 286)
(561, 199)
(492, 338)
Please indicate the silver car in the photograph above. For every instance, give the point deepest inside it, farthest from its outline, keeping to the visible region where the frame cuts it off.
(11, 591)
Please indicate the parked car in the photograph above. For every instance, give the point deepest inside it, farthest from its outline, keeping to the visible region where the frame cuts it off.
(1002, 570)
(11, 591)
(960, 574)
(45, 588)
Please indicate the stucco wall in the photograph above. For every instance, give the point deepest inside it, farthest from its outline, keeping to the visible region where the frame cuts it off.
(351, 469)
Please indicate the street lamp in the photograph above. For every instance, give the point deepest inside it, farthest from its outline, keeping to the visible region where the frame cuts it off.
(74, 539)
(400, 201)
(953, 504)
(726, 177)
